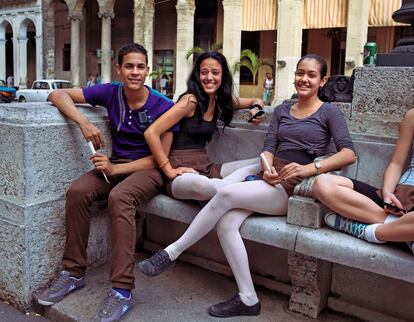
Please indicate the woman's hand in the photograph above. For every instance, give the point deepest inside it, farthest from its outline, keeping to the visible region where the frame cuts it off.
(172, 173)
(390, 198)
(102, 163)
(296, 170)
(272, 178)
(258, 119)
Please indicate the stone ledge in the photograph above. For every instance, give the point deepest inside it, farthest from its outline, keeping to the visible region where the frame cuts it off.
(324, 243)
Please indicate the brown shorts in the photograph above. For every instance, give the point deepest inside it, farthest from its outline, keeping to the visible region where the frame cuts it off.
(196, 159)
(290, 184)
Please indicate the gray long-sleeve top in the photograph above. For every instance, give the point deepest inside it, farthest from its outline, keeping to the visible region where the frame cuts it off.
(301, 140)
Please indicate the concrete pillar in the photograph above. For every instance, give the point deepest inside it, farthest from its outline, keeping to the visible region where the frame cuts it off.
(22, 61)
(48, 42)
(232, 35)
(75, 19)
(39, 57)
(356, 33)
(185, 41)
(144, 28)
(106, 61)
(288, 47)
(311, 281)
(32, 200)
(3, 59)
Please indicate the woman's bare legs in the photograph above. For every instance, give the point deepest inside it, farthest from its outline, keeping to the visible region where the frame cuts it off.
(198, 187)
(399, 230)
(255, 196)
(337, 193)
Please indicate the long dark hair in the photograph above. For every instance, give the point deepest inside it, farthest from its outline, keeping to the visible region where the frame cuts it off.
(224, 96)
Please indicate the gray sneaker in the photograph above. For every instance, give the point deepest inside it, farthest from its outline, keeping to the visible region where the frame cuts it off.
(156, 264)
(60, 287)
(114, 307)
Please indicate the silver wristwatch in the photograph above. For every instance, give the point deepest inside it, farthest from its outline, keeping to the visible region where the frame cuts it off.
(318, 167)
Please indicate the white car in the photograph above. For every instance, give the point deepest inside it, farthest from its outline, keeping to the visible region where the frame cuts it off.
(41, 89)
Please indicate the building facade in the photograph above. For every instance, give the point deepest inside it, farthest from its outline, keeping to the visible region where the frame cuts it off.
(78, 38)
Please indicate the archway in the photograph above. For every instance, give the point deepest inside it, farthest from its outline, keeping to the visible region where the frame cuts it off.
(27, 53)
(6, 50)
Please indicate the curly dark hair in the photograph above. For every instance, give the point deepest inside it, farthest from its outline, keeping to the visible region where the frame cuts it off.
(224, 96)
(131, 48)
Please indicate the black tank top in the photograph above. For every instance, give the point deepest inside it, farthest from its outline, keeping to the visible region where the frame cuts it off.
(194, 133)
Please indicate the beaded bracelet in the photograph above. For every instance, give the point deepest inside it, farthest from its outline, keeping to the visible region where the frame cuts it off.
(256, 105)
(164, 164)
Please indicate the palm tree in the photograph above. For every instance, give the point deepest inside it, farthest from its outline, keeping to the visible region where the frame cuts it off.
(253, 63)
(157, 74)
(198, 50)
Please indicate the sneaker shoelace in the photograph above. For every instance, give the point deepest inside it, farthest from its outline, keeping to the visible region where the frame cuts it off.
(111, 302)
(353, 228)
(158, 259)
(59, 283)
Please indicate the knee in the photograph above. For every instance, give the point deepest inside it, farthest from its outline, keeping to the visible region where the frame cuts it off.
(223, 199)
(77, 192)
(225, 227)
(323, 185)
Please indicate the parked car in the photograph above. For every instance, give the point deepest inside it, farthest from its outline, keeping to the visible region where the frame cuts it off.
(41, 89)
(7, 94)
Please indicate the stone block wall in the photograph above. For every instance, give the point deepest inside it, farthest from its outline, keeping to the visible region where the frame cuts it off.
(40, 154)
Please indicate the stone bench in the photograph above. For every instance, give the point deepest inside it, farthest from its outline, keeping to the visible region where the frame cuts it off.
(41, 153)
(315, 267)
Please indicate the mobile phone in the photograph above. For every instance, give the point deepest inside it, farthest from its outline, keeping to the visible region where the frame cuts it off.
(259, 113)
(266, 164)
(394, 207)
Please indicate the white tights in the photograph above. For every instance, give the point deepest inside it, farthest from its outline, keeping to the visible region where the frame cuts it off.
(231, 205)
(198, 187)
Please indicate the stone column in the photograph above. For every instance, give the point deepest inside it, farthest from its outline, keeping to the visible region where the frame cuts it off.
(311, 281)
(39, 57)
(22, 61)
(3, 59)
(144, 28)
(106, 61)
(232, 35)
(75, 19)
(288, 47)
(48, 35)
(356, 33)
(185, 41)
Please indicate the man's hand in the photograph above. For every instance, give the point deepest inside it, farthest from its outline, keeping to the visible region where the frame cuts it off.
(92, 133)
(102, 163)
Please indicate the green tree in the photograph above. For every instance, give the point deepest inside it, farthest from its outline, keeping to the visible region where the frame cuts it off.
(198, 50)
(253, 63)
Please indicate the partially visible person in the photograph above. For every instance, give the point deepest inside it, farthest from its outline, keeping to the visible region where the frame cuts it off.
(298, 133)
(10, 81)
(91, 81)
(208, 99)
(268, 86)
(98, 79)
(164, 85)
(133, 180)
(371, 214)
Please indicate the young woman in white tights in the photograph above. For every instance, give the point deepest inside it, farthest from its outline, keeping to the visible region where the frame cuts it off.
(297, 134)
(209, 98)
(359, 208)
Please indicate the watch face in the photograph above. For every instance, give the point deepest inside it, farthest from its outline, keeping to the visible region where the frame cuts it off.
(317, 165)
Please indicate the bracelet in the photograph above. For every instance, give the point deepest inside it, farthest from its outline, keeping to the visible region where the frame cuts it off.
(256, 105)
(164, 164)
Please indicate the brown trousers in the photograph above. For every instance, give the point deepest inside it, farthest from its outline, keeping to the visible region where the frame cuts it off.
(124, 194)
